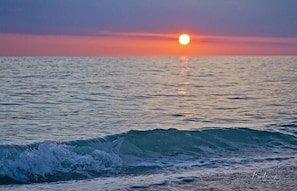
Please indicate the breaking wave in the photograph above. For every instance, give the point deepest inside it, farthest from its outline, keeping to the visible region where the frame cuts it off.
(139, 151)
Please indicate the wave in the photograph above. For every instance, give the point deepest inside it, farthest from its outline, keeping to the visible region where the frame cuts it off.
(138, 151)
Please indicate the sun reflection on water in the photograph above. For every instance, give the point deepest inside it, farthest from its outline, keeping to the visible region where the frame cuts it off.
(184, 70)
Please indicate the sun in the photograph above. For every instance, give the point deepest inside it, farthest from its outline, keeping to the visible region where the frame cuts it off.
(184, 39)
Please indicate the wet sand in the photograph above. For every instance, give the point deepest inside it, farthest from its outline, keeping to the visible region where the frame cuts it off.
(281, 178)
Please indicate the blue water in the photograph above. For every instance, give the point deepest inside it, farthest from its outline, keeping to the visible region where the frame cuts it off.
(126, 121)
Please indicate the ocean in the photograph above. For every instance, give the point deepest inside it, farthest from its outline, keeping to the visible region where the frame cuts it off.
(121, 123)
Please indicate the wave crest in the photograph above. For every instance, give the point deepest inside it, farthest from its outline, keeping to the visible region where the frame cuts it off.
(132, 151)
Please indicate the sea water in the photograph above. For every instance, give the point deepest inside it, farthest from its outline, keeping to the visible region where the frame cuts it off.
(107, 123)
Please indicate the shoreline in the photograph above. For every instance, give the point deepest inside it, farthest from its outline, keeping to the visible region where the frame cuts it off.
(246, 178)
(277, 178)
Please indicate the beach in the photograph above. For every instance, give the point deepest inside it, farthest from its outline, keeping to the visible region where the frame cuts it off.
(267, 179)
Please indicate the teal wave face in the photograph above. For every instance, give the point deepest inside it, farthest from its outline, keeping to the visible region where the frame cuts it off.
(141, 151)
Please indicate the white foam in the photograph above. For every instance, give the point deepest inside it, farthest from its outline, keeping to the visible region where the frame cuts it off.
(50, 158)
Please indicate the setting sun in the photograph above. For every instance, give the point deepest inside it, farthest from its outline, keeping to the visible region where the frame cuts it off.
(184, 39)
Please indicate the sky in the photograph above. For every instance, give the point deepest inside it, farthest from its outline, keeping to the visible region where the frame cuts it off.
(147, 27)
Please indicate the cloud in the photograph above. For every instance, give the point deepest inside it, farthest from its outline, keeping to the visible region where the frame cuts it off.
(142, 35)
(269, 41)
(255, 40)
(131, 43)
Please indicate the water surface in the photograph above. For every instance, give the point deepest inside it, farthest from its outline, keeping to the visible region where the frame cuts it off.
(92, 117)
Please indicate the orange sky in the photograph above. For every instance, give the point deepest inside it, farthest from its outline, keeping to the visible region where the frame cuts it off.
(141, 44)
